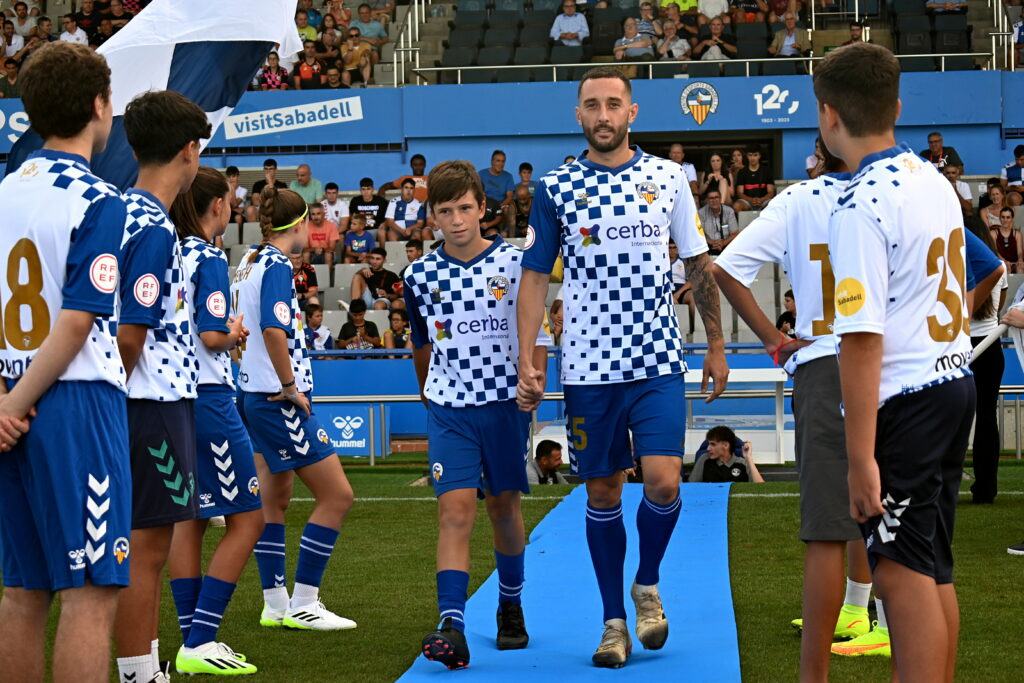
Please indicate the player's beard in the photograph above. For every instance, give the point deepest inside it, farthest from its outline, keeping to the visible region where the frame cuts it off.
(618, 135)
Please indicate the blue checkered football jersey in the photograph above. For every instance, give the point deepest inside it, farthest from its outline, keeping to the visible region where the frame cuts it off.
(406, 213)
(467, 312)
(153, 293)
(209, 292)
(60, 226)
(612, 226)
(264, 291)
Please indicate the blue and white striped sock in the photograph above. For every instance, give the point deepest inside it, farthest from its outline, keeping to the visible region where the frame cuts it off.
(315, 550)
(606, 538)
(213, 601)
(185, 593)
(510, 577)
(655, 524)
(269, 554)
(452, 587)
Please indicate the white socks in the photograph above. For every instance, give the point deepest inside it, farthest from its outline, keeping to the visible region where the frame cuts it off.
(276, 598)
(304, 594)
(139, 669)
(882, 623)
(857, 594)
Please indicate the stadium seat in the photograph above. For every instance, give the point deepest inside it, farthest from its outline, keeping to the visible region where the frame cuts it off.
(396, 251)
(535, 36)
(510, 6)
(471, 5)
(465, 37)
(745, 218)
(231, 236)
(959, 64)
(333, 320)
(751, 49)
(456, 56)
(566, 54)
(739, 69)
(494, 56)
(914, 35)
(917, 64)
(700, 70)
(902, 7)
(478, 75)
(504, 18)
(469, 19)
(343, 273)
(516, 75)
(530, 55)
(501, 37)
(625, 4)
(236, 253)
(667, 70)
(778, 68)
(381, 319)
(323, 275)
(752, 31)
(603, 36)
(251, 233)
(546, 6)
(608, 15)
(537, 17)
(950, 41)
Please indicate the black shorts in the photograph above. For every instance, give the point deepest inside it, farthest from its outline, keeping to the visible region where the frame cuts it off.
(920, 447)
(162, 444)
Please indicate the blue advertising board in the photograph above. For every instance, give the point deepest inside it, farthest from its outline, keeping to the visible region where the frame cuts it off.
(348, 427)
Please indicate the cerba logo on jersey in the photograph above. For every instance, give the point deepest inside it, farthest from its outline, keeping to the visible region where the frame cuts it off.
(444, 329)
(591, 235)
(498, 285)
(641, 230)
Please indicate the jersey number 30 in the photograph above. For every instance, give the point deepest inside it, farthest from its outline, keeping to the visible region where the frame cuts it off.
(25, 295)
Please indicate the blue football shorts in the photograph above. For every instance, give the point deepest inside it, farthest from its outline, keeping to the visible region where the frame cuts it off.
(284, 435)
(227, 472)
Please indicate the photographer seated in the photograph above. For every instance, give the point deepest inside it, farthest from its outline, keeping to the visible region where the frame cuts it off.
(724, 458)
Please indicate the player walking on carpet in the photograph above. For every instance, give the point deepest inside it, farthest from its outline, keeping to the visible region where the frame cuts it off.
(611, 213)
(226, 472)
(896, 241)
(461, 300)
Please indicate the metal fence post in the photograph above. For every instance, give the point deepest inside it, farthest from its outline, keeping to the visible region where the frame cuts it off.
(373, 440)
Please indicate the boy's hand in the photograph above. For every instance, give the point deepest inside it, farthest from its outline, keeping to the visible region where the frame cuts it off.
(865, 491)
(530, 390)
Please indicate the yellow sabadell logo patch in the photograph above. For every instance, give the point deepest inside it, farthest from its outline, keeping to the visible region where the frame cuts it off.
(849, 297)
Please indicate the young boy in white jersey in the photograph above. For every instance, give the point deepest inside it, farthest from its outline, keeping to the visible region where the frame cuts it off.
(226, 473)
(65, 484)
(154, 337)
(793, 231)
(275, 377)
(896, 241)
(461, 300)
(610, 214)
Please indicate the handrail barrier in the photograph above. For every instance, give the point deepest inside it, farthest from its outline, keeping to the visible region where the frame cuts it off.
(407, 41)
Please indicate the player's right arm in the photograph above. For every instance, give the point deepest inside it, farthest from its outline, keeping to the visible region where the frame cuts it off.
(217, 329)
(84, 297)
(421, 346)
(538, 261)
(276, 291)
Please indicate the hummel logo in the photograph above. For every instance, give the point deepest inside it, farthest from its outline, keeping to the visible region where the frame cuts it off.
(77, 558)
(278, 580)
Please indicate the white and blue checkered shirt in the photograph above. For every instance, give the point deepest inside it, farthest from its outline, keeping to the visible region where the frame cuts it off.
(208, 290)
(612, 227)
(467, 312)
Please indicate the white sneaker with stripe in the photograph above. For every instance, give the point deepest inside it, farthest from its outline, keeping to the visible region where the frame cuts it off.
(316, 617)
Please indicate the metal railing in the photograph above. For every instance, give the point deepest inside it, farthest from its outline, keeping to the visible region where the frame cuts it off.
(651, 64)
(815, 13)
(407, 41)
(1000, 34)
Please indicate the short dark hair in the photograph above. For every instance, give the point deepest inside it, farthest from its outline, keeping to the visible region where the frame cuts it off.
(415, 244)
(994, 181)
(721, 433)
(159, 124)
(10, 60)
(605, 72)
(8, 21)
(357, 306)
(231, 170)
(301, 11)
(20, 3)
(789, 295)
(862, 83)
(449, 180)
(358, 218)
(270, 162)
(546, 448)
(414, 157)
(934, 132)
(42, 19)
(313, 308)
(380, 251)
(59, 86)
(366, 182)
(401, 313)
(1018, 151)
(1008, 208)
(362, 6)
(71, 17)
(408, 181)
(330, 186)
(856, 24)
(526, 166)
(497, 152)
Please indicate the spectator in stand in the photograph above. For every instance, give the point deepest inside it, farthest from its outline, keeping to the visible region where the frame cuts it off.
(358, 241)
(269, 178)
(686, 22)
(715, 178)
(306, 32)
(313, 17)
(724, 458)
(1009, 244)
(499, 186)
(335, 81)
(103, 34)
(14, 45)
(777, 8)
(321, 237)
(718, 45)
(962, 189)
(1013, 175)
(309, 73)
(672, 47)
(737, 162)
(413, 251)
(397, 336)
(1018, 39)
(984, 200)
(371, 30)
(327, 47)
(238, 195)
(526, 177)
(405, 216)
(119, 16)
(337, 9)
(494, 217)
(633, 47)
(273, 77)
(954, 7)
(748, 11)
(677, 153)
(10, 88)
(556, 321)
(718, 221)
(358, 333)
(306, 186)
(369, 204)
(524, 204)
(335, 209)
(31, 5)
(996, 203)
(329, 23)
(543, 469)
(378, 287)
(418, 165)
(88, 18)
(939, 155)
(569, 27)
(790, 41)
(72, 32)
(357, 58)
(682, 290)
(318, 337)
(24, 25)
(306, 286)
(382, 10)
(648, 24)
(786, 322)
(755, 186)
(44, 31)
(856, 33)
(814, 164)
(709, 9)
